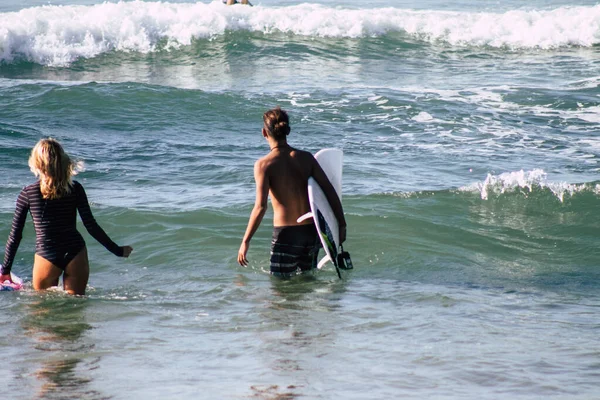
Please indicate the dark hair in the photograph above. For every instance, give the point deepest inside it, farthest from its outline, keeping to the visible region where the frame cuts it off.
(277, 123)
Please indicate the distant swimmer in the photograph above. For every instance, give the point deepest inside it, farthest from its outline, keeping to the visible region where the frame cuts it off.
(232, 2)
(53, 202)
(283, 175)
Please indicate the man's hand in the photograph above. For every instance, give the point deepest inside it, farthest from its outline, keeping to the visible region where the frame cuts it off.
(242, 260)
(5, 277)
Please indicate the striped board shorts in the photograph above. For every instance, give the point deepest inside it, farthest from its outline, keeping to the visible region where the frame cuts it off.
(294, 249)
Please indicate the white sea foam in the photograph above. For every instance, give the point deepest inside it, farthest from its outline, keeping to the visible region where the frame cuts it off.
(423, 117)
(527, 181)
(493, 98)
(589, 114)
(58, 35)
(588, 83)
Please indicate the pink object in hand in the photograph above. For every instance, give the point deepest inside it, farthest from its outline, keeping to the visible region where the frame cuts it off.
(16, 284)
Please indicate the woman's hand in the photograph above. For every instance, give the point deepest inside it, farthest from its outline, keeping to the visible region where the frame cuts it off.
(127, 251)
(5, 277)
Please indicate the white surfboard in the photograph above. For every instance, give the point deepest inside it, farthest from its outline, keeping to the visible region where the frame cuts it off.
(322, 213)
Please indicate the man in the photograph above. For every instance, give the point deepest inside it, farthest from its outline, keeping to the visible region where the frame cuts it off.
(283, 174)
(232, 2)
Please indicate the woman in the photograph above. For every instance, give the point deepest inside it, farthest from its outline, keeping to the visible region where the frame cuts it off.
(53, 202)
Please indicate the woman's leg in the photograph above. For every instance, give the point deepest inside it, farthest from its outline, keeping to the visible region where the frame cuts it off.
(45, 274)
(77, 273)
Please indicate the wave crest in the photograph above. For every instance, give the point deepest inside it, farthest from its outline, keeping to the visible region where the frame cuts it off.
(59, 35)
(527, 182)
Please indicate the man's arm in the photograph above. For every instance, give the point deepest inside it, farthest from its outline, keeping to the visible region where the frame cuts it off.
(258, 212)
(319, 175)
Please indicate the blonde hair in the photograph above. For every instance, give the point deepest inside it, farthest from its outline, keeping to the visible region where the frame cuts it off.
(54, 167)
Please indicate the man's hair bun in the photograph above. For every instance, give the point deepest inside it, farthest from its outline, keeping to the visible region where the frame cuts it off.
(277, 123)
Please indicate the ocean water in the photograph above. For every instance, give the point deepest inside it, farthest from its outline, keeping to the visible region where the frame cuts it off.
(471, 189)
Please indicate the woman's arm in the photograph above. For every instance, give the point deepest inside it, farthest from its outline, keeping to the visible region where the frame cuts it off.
(83, 206)
(16, 234)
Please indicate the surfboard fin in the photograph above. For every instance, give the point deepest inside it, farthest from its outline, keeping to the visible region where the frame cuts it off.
(323, 261)
(304, 217)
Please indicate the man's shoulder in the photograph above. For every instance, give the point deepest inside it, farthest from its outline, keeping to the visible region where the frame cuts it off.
(262, 161)
(303, 153)
(303, 156)
(262, 164)
(270, 160)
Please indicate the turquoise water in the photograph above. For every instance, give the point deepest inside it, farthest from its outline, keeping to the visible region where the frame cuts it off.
(471, 190)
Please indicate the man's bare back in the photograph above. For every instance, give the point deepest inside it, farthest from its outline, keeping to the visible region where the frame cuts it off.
(287, 171)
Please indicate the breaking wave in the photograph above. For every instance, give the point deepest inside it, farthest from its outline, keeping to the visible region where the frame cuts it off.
(60, 35)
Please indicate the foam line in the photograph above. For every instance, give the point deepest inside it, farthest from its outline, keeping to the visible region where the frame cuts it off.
(59, 35)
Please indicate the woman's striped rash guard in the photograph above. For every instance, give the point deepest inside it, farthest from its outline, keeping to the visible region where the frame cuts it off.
(55, 222)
